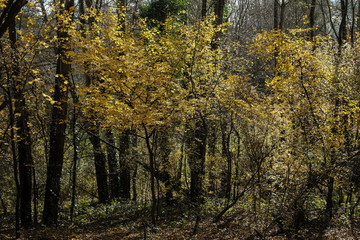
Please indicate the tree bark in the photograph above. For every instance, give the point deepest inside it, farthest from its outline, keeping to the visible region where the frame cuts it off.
(342, 28)
(219, 16)
(100, 164)
(203, 9)
(23, 139)
(276, 15)
(312, 19)
(211, 152)
(25, 160)
(196, 142)
(164, 152)
(125, 179)
(58, 121)
(114, 180)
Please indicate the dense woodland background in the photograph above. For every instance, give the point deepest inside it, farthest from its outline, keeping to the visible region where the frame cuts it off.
(176, 119)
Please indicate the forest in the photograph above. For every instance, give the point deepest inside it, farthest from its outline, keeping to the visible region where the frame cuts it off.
(179, 119)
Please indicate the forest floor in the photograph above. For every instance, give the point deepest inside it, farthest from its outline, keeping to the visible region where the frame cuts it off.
(179, 221)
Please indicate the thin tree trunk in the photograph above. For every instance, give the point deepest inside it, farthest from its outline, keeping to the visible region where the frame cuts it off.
(75, 162)
(15, 165)
(35, 197)
(134, 196)
(152, 173)
(134, 156)
(211, 152)
(329, 199)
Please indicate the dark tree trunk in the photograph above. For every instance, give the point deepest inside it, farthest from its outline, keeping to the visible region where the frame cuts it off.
(100, 164)
(203, 9)
(23, 140)
(164, 152)
(329, 199)
(58, 124)
(25, 160)
(211, 161)
(312, 19)
(282, 14)
(152, 172)
(135, 170)
(134, 197)
(276, 15)
(225, 152)
(342, 28)
(124, 145)
(196, 142)
(58, 121)
(114, 180)
(219, 16)
(219, 11)
(75, 158)
(15, 163)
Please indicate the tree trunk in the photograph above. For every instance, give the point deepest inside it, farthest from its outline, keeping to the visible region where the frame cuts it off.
(25, 161)
(23, 140)
(134, 156)
(342, 28)
(134, 196)
(276, 15)
(329, 199)
(196, 142)
(152, 173)
(226, 173)
(75, 160)
(164, 152)
(219, 16)
(203, 9)
(114, 180)
(211, 161)
(100, 164)
(15, 163)
(282, 14)
(125, 179)
(312, 19)
(58, 121)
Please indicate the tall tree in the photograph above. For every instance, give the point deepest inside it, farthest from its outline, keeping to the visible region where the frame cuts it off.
(59, 114)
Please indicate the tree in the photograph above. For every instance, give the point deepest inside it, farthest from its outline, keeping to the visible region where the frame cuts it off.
(59, 114)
